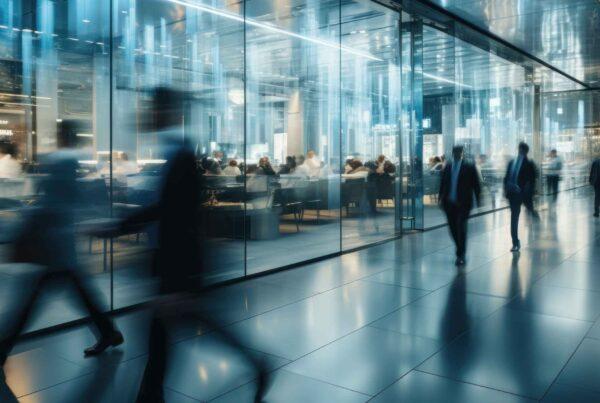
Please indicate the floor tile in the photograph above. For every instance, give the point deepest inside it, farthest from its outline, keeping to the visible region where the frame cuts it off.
(367, 360)
(563, 393)
(299, 328)
(204, 368)
(293, 388)
(35, 370)
(582, 369)
(507, 350)
(558, 301)
(574, 274)
(419, 387)
(414, 279)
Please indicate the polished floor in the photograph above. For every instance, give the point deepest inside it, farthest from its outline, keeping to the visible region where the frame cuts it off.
(393, 323)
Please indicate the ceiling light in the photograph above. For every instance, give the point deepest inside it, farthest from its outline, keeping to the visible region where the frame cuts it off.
(275, 29)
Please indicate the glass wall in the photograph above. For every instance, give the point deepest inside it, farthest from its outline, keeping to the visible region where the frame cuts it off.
(317, 127)
(474, 98)
(571, 127)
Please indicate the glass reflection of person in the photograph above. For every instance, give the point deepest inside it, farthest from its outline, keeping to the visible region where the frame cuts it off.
(553, 177)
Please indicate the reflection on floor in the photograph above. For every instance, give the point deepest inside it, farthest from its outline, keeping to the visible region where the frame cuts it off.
(392, 323)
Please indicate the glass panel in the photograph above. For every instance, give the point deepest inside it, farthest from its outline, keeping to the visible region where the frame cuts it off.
(571, 127)
(196, 49)
(53, 125)
(476, 99)
(292, 131)
(370, 121)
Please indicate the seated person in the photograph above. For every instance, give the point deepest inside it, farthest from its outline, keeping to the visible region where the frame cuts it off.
(264, 167)
(290, 165)
(232, 169)
(436, 164)
(211, 167)
(302, 169)
(10, 168)
(348, 165)
(358, 169)
(313, 164)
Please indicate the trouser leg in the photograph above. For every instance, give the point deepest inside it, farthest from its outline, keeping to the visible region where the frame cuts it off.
(597, 200)
(23, 307)
(515, 212)
(461, 231)
(102, 322)
(151, 389)
(451, 217)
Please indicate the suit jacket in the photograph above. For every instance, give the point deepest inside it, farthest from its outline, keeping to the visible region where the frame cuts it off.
(467, 187)
(595, 174)
(525, 180)
(176, 213)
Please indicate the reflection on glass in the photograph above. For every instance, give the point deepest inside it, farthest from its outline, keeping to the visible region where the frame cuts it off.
(292, 132)
(476, 99)
(370, 91)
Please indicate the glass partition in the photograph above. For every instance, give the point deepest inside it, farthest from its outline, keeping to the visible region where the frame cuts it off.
(54, 126)
(371, 103)
(476, 99)
(571, 128)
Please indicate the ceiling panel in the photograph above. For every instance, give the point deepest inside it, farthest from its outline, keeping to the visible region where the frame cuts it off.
(562, 33)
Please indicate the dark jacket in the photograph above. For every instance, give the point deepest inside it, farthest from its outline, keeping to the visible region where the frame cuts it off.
(177, 254)
(595, 174)
(467, 187)
(525, 180)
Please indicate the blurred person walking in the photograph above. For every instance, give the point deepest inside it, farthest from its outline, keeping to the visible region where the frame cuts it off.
(177, 256)
(459, 186)
(519, 188)
(553, 177)
(48, 239)
(595, 182)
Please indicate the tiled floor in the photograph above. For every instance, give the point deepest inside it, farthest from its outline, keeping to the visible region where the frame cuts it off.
(393, 323)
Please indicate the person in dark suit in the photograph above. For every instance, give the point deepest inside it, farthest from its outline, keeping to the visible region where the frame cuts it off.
(519, 188)
(459, 185)
(595, 182)
(177, 257)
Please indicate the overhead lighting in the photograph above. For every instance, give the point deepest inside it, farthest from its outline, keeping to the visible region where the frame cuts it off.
(445, 80)
(272, 28)
(85, 20)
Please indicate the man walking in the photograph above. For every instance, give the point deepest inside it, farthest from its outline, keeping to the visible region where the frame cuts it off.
(460, 183)
(519, 188)
(595, 182)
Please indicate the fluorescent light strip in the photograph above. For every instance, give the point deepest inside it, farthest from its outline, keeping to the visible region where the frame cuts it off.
(271, 28)
(445, 80)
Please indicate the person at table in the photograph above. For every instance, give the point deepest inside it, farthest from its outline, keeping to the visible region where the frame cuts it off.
(313, 164)
(10, 168)
(358, 169)
(48, 239)
(459, 185)
(289, 166)
(232, 169)
(264, 167)
(595, 183)
(519, 188)
(301, 170)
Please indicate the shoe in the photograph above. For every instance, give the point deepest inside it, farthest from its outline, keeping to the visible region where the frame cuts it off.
(515, 248)
(460, 261)
(113, 340)
(262, 385)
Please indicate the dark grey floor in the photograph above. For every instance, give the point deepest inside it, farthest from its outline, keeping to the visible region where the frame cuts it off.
(392, 323)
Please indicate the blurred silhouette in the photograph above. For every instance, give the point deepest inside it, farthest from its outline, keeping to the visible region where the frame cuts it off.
(595, 182)
(177, 257)
(48, 239)
(519, 188)
(553, 176)
(459, 185)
